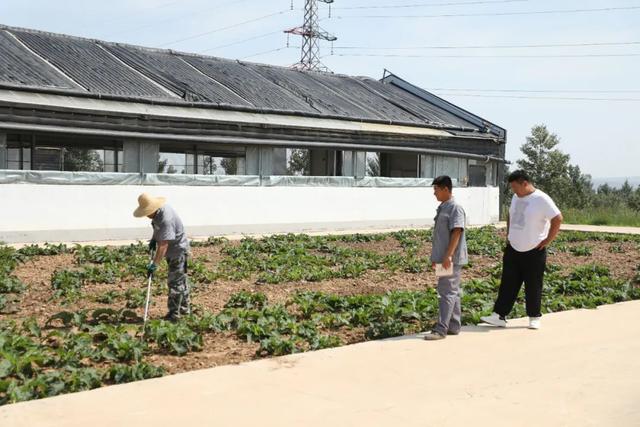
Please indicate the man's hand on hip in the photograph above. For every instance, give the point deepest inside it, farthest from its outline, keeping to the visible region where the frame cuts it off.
(542, 245)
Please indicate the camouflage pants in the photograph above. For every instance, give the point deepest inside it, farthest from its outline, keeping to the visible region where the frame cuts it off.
(178, 302)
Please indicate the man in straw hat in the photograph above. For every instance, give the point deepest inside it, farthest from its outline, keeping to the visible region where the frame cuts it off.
(170, 242)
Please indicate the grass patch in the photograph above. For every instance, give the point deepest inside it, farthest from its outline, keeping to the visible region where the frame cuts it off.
(603, 216)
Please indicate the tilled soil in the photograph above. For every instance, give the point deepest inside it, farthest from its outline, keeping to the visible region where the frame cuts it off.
(224, 348)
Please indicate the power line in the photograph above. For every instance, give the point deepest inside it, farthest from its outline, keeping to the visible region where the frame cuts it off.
(459, 15)
(555, 98)
(239, 24)
(270, 51)
(173, 18)
(415, 5)
(536, 91)
(515, 46)
(241, 41)
(591, 55)
(111, 21)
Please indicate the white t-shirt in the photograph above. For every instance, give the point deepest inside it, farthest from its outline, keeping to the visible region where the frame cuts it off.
(529, 220)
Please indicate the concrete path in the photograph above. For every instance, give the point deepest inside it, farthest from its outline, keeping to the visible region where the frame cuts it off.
(601, 228)
(572, 227)
(581, 369)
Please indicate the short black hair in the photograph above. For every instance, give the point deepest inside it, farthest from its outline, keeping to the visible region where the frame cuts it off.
(519, 176)
(443, 181)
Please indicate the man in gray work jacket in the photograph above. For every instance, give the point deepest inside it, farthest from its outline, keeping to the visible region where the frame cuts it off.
(450, 250)
(170, 242)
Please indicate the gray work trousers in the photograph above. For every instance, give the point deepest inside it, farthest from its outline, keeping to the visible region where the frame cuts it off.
(449, 318)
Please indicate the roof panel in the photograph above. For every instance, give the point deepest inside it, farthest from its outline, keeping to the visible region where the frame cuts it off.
(357, 92)
(175, 74)
(251, 86)
(416, 105)
(90, 65)
(20, 67)
(319, 96)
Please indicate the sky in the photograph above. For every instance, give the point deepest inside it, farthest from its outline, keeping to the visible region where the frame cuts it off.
(588, 95)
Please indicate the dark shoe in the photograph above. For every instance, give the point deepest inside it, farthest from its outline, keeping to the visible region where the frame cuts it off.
(171, 318)
(453, 333)
(434, 336)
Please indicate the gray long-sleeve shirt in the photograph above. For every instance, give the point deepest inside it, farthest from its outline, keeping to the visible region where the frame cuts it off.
(449, 215)
(167, 225)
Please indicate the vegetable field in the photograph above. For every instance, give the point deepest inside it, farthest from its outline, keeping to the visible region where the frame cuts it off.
(70, 317)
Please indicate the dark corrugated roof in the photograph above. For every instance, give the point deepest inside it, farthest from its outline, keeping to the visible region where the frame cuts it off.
(260, 92)
(90, 65)
(19, 66)
(177, 75)
(29, 59)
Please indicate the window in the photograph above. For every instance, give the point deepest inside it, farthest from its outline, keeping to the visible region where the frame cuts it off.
(373, 164)
(477, 175)
(19, 152)
(298, 162)
(447, 166)
(59, 153)
(482, 173)
(172, 163)
(427, 166)
(399, 165)
(454, 167)
(215, 165)
(172, 160)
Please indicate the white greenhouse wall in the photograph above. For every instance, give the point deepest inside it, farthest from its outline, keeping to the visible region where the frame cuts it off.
(38, 213)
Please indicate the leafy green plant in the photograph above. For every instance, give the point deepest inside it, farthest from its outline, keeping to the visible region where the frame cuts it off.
(247, 300)
(68, 319)
(47, 249)
(276, 345)
(617, 249)
(199, 273)
(115, 343)
(359, 238)
(175, 338)
(135, 297)
(108, 297)
(68, 283)
(120, 374)
(11, 285)
(589, 272)
(109, 315)
(211, 241)
(484, 241)
(581, 250)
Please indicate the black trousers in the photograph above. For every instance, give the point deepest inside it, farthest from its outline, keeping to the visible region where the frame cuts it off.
(519, 267)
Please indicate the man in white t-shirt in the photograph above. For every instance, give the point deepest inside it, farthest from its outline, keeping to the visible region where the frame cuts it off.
(534, 222)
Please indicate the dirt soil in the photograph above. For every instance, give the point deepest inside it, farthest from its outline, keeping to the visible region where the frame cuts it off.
(220, 349)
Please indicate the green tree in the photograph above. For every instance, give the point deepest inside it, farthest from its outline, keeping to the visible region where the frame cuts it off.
(230, 165)
(373, 164)
(299, 162)
(634, 200)
(162, 165)
(626, 191)
(209, 166)
(550, 170)
(80, 159)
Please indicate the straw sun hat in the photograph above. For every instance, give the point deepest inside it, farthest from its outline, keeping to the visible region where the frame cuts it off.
(148, 205)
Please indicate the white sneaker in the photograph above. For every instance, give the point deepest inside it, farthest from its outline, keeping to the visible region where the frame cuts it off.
(534, 323)
(495, 320)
